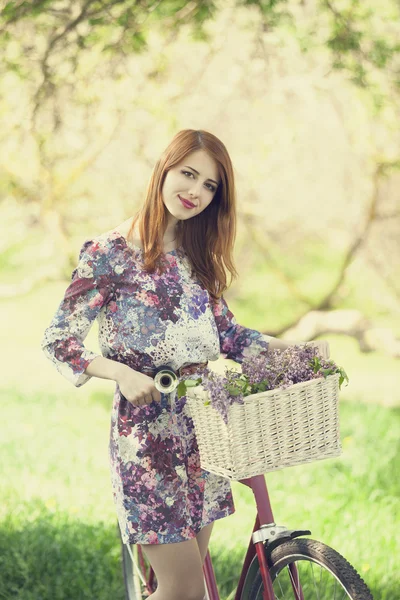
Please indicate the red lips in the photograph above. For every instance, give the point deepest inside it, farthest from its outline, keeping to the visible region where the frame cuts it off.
(187, 201)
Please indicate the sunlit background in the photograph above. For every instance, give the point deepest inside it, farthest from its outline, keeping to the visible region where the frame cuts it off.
(305, 95)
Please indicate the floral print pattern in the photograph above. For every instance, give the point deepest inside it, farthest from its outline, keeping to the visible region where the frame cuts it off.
(145, 320)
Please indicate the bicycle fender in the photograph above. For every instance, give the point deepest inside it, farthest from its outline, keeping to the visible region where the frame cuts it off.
(278, 536)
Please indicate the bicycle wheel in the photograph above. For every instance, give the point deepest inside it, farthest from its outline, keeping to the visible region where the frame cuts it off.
(324, 573)
(135, 568)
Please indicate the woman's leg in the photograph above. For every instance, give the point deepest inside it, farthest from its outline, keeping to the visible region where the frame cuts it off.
(203, 538)
(179, 570)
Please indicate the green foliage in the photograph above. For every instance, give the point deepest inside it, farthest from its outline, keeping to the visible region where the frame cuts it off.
(360, 37)
(274, 12)
(14, 11)
(137, 41)
(57, 557)
(362, 40)
(316, 365)
(9, 11)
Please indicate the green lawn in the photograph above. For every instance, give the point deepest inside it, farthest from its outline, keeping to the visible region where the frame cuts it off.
(58, 528)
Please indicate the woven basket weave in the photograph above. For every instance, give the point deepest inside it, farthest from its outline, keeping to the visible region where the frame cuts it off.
(271, 430)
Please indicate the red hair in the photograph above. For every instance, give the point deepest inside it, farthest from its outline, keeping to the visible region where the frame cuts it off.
(208, 238)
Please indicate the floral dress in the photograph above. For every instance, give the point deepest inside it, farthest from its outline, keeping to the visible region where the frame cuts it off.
(146, 320)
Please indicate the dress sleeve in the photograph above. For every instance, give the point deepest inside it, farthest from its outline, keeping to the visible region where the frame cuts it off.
(89, 290)
(237, 342)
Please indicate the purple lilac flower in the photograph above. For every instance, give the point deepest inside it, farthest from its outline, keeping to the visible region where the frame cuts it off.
(220, 398)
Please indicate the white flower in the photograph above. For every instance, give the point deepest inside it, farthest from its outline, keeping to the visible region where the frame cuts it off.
(128, 447)
(85, 270)
(181, 472)
(119, 269)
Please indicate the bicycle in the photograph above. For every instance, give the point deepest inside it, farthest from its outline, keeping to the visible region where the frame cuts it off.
(279, 563)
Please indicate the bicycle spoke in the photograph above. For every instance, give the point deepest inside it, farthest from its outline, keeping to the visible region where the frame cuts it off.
(317, 594)
(283, 595)
(320, 586)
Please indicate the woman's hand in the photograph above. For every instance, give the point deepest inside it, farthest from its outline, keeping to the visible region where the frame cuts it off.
(323, 347)
(136, 387)
(278, 344)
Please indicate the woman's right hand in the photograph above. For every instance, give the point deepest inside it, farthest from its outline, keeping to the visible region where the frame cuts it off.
(136, 387)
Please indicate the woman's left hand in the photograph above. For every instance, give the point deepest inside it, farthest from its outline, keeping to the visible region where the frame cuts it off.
(323, 347)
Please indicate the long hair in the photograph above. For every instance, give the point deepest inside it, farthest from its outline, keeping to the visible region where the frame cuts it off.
(207, 238)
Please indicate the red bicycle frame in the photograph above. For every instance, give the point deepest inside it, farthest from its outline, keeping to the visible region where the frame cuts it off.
(264, 517)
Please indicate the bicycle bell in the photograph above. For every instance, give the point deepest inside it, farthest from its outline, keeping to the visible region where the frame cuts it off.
(165, 379)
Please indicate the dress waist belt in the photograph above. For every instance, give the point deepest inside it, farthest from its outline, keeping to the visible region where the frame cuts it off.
(185, 370)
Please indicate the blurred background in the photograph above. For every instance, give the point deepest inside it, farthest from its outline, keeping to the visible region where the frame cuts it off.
(305, 94)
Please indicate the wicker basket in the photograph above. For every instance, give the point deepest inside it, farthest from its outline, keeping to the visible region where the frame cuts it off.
(271, 430)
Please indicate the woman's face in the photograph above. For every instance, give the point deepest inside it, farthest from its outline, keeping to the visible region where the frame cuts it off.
(195, 179)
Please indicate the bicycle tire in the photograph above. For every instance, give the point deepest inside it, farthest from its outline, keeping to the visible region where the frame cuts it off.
(315, 553)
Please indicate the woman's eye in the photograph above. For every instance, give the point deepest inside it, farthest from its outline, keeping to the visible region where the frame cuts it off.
(210, 187)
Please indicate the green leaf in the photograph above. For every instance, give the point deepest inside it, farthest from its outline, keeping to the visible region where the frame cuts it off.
(315, 364)
(233, 389)
(326, 372)
(181, 389)
(263, 386)
(187, 383)
(192, 382)
(343, 377)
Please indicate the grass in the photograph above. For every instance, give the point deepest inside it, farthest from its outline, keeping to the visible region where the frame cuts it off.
(58, 527)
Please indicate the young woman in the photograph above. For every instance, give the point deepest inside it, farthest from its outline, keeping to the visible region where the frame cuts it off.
(155, 283)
